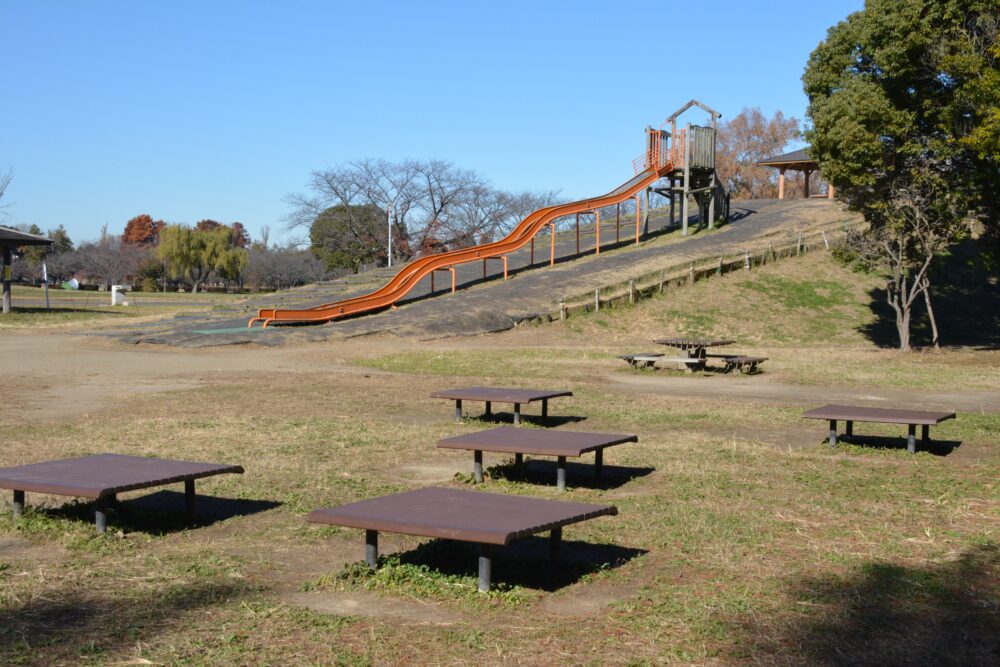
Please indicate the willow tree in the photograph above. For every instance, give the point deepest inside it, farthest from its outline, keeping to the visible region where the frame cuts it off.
(195, 254)
(899, 117)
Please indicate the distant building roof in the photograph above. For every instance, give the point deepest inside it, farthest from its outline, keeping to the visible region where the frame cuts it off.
(798, 157)
(12, 237)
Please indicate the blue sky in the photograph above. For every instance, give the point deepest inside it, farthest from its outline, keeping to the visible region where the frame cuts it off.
(191, 110)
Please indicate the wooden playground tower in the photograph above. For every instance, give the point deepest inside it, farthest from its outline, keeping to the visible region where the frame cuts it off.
(692, 155)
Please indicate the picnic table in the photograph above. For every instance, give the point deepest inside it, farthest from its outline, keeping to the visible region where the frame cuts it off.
(487, 519)
(491, 395)
(695, 349)
(851, 414)
(103, 476)
(520, 441)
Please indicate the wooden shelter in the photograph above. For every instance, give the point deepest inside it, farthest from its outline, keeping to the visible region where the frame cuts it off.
(10, 239)
(796, 161)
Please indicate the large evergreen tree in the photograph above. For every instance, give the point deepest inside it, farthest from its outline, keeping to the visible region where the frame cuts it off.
(902, 98)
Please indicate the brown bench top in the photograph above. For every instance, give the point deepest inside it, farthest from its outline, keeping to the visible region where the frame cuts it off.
(457, 514)
(884, 415)
(535, 441)
(105, 474)
(693, 342)
(499, 394)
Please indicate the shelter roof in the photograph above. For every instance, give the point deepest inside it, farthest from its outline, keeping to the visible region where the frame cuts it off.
(13, 237)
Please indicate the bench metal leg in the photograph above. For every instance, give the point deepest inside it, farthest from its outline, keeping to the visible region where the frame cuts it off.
(598, 462)
(485, 567)
(18, 504)
(518, 459)
(189, 499)
(458, 410)
(850, 429)
(545, 408)
(561, 473)
(925, 434)
(911, 438)
(477, 466)
(489, 409)
(371, 548)
(101, 515)
(555, 544)
(517, 414)
(833, 432)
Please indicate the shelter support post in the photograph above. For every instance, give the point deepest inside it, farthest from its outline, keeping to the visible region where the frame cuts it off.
(371, 548)
(18, 504)
(781, 183)
(561, 473)
(477, 465)
(833, 432)
(5, 270)
(805, 184)
(485, 567)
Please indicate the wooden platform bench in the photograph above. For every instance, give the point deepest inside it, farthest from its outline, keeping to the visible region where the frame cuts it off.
(521, 441)
(103, 476)
(743, 364)
(851, 414)
(642, 359)
(486, 519)
(491, 395)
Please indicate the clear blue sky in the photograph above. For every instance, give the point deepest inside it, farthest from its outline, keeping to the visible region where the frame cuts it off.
(191, 110)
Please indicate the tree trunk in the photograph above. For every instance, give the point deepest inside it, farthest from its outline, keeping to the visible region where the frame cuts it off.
(926, 286)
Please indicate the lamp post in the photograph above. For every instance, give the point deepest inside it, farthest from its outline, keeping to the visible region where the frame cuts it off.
(389, 212)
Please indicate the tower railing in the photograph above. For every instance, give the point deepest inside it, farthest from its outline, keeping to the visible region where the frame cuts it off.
(660, 151)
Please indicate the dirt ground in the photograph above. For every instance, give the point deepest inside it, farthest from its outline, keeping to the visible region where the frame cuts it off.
(735, 520)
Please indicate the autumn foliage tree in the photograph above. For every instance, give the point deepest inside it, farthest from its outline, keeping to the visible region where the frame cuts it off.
(743, 141)
(142, 230)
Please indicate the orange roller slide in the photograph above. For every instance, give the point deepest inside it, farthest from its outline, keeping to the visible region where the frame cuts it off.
(408, 277)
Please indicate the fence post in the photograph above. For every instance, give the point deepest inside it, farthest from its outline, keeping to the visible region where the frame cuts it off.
(826, 241)
(691, 274)
(746, 259)
(661, 281)
(631, 292)
(597, 300)
(562, 310)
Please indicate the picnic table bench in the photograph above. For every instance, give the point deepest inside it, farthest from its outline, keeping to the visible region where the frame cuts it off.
(103, 476)
(743, 363)
(491, 395)
(646, 359)
(487, 519)
(520, 441)
(851, 414)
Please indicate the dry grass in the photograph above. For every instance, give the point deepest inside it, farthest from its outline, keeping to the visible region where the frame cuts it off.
(730, 547)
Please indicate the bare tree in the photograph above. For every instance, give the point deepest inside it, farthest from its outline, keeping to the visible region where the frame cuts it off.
(923, 219)
(5, 179)
(108, 260)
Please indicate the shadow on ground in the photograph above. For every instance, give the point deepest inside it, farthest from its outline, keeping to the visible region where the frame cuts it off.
(543, 472)
(536, 420)
(163, 512)
(83, 628)
(887, 614)
(966, 302)
(935, 447)
(524, 563)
